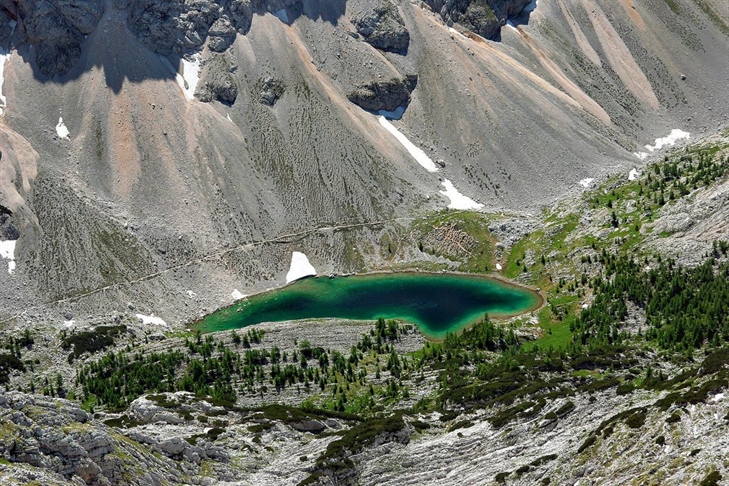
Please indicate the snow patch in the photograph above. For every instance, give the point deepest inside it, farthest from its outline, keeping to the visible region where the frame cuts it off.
(669, 140)
(236, 295)
(396, 114)
(300, 267)
(458, 200)
(717, 398)
(4, 57)
(499, 267)
(633, 174)
(586, 182)
(282, 15)
(228, 116)
(7, 251)
(70, 323)
(522, 18)
(190, 74)
(151, 319)
(61, 128)
(454, 31)
(414, 151)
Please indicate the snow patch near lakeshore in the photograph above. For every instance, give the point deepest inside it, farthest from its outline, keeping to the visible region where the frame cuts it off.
(237, 295)
(458, 200)
(633, 174)
(4, 57)
(7, 251)
(586, 182)
(300, 267)
(151, 319)
(190, 74)
(61, 128)
(419, 156)
(499, 267)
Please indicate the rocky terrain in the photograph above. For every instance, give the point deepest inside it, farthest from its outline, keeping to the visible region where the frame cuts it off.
(644, 418)
(169, 179)
(160, 159)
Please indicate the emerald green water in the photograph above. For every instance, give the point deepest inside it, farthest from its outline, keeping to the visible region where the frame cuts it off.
(436, 303)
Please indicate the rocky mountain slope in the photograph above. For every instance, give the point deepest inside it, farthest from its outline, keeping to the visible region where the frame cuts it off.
(120, 174)
(160, 159)
(629, 412)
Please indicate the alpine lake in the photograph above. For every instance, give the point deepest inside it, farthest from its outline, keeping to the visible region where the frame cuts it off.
(436, 303)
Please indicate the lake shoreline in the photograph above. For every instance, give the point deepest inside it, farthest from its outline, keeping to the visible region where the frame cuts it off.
(530, 293)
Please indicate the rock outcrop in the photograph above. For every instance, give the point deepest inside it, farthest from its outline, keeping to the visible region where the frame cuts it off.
(60, 443)
(55, 28)
(482, 17)
(383, 28)
(271, 90)
(384, 95)
(220, 84)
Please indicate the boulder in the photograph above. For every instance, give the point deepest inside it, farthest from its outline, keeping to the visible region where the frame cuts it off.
(172, 447)
(313, 426)
(383, 95)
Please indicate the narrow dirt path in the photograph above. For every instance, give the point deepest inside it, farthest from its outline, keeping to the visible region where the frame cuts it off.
(280, 239)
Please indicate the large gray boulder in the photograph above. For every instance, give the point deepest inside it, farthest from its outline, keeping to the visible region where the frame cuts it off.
(383, 95)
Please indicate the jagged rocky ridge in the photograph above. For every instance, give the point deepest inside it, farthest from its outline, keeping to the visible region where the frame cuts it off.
(485, 18)
(57, 27)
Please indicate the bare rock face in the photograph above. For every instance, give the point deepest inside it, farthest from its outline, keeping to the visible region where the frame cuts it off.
(179, 26)
(484, 17)
(222, 34)
(65, 444)
(161, 26)
(383, 28)
(55, 28)
(384, 95)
